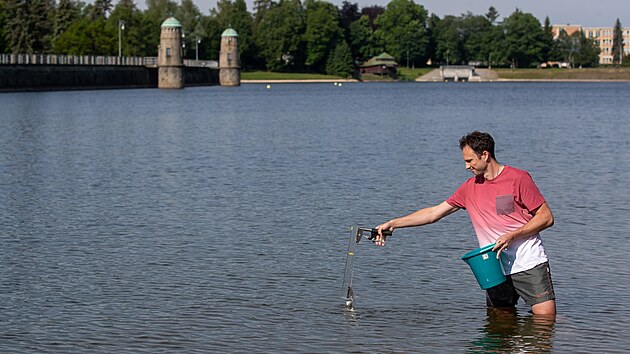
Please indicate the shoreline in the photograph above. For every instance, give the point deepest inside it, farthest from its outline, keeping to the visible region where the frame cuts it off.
(483, 75)
(563, 80)
(292, 81)
(315, 81)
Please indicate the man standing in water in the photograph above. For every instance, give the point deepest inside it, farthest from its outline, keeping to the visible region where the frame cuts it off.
(505, 207)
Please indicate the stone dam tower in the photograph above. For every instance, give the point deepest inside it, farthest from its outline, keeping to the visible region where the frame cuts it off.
(229, 63)
(170, 55)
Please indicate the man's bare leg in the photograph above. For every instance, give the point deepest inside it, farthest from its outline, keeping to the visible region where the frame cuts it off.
(547, 308)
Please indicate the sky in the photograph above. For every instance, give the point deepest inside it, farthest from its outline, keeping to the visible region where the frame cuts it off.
(588, 13)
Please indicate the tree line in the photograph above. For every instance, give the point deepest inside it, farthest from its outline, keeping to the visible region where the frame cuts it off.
(292, 35)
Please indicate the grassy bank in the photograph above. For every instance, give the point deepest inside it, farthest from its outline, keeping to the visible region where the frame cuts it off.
(411, 74)
(403, 73)
(268, 75)
(622, 74)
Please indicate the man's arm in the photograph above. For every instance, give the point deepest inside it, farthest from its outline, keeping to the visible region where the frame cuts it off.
(543, 218)
(418, 218)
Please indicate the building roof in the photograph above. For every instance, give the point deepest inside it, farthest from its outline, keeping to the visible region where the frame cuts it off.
(171, 22)
(384, 56)
(229, 33)
(380, 60)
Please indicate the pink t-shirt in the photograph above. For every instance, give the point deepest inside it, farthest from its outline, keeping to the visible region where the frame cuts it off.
(499, 206)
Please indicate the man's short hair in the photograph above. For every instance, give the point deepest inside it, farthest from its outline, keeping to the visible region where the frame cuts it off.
(478, 142)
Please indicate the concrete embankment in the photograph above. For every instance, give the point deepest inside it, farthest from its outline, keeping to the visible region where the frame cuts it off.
(481, 75)
(605, 74)
(88, 77)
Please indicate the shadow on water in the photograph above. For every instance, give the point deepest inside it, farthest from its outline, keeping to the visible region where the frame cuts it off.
(506, 332)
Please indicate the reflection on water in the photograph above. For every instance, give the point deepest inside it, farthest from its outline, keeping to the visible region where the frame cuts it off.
(505, 331)
(351, 315)
(502, 330)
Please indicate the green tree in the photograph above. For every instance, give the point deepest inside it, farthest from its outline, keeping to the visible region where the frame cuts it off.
(348, 14)
(133, 41)
(463, 39)
(4, 45)
(228, 14)
(157, 11)
(212, 29)
(492, 15)
(340, 61)
(260, 8)
(67, 12)
(432, 23)
(402, 30)
(475, 32)
(243, 23)
(361, 40)
(494, 39)
(372, 12)
(523, 39)
(88, 37)
(449, 48)
(568, 47)
(577, 49)
(497, 54)
(617, 45)
(28, 26)
(189, 16)
(101, 8)
(322, 31)
(588, 55)
(547, 48)
(279, 36)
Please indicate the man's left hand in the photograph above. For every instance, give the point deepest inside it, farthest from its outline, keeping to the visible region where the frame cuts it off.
(502, 243)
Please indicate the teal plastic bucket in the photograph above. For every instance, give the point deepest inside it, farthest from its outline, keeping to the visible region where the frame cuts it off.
(485, 266)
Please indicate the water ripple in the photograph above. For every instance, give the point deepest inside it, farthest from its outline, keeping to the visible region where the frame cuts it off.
(212, 220)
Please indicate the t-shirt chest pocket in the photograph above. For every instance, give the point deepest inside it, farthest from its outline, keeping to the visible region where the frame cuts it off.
(505, 204)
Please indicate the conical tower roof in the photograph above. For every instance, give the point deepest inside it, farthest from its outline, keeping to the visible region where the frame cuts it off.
(230, 32)
(171, 22)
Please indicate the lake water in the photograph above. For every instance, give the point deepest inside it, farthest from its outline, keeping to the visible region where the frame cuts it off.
(217, 219)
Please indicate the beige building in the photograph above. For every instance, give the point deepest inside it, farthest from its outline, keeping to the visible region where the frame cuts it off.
(603, 36)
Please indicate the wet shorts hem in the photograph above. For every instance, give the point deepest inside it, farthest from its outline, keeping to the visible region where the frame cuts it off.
(534, 286)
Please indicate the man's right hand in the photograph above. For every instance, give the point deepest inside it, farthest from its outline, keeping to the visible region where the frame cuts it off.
(380, 239)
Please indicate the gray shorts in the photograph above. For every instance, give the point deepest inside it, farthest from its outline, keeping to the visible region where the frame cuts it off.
(534, 286)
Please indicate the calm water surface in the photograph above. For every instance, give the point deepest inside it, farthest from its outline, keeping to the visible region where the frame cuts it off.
(216, 219)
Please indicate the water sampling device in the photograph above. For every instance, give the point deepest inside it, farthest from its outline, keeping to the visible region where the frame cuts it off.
(356, 233)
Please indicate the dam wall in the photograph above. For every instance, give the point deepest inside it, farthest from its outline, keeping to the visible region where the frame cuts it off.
(29, 77)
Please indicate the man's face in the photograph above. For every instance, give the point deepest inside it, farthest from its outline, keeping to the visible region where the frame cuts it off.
(477, 164)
